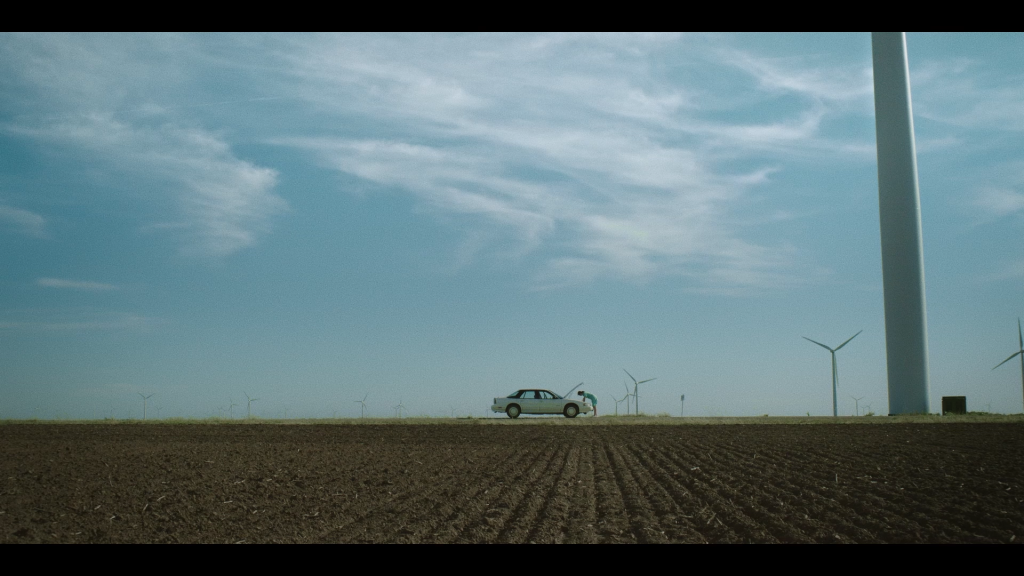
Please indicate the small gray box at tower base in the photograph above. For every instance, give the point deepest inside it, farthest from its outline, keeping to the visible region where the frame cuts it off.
(954, 405)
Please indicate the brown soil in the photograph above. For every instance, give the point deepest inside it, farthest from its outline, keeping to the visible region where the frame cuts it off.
(523, 482)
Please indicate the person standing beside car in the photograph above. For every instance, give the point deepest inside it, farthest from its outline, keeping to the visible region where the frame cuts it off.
(591, 397)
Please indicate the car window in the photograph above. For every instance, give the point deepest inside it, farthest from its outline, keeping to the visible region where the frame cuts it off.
(515, 394)
(547, 395)
(533, 394)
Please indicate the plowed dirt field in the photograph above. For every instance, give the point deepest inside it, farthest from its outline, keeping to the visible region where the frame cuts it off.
(517, 482)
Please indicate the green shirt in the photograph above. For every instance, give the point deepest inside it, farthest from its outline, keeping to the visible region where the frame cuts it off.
(593, 399)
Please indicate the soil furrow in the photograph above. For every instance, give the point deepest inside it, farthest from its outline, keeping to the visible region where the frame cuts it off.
(526, 514)
(644, 526)
(504, 514)
(542, 481)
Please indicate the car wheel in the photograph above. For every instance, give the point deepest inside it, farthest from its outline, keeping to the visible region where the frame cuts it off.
(513, 411)
(571, 410)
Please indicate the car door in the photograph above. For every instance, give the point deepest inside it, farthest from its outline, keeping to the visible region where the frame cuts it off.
(549, 403)
(530, 402)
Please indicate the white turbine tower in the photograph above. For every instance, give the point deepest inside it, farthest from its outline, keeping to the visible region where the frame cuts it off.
(1020, 341)
(835, 371)
(899, 212)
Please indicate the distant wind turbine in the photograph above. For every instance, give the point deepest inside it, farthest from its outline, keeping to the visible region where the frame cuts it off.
(682, 401)
(1020, 342)
(144, 398)
(835, 372)
(627, 397)
(618, 401)
(248, 405)
(231, 408)
(399, 408)
(362, 404)
(856, 403)
(636, 397)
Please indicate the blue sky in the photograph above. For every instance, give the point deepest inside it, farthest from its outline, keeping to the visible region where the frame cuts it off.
(439, 220)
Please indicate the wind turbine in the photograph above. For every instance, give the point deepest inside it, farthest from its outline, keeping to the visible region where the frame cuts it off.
(399, 408)
(144, 398)
(362, 404)
(248, 405)
(618, 401)
(636, 398)
(856, 404)
(682, 402)
(1020, 341)
(835, 372)
(231, 406)
(626, 398)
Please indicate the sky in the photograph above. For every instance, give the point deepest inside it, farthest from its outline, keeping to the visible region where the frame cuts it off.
(437, 220)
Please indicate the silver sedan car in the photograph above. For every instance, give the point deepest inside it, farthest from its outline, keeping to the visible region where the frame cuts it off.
(535, 401)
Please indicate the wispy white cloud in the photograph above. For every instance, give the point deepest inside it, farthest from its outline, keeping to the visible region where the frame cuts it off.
(223, 203)
(1006, 271)
(564, 143)
(22, 221)
(75, 284)
(108, 96)
(965, 93)
(1000, 202)
(574, 146)
(803, 77)
(50, 321)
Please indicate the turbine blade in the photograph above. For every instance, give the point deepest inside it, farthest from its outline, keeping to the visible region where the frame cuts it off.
(1020, 337)
(848, 341)
(1012, 356)
(818, 343)
(648, 380)
(630, 375)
